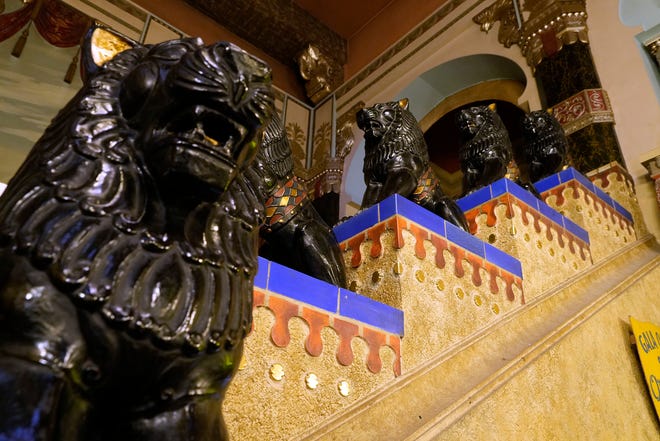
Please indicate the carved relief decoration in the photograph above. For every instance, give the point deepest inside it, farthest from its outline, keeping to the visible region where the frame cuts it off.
(586, 107)
(653, 167)
(549, 25)
(321, 73)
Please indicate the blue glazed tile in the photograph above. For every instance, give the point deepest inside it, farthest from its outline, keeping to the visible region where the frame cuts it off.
(388, 207)
(551, 213)
(622, 211)
(302, 287)
(371, 312)
(475, 199)
(499, 187)
(567, 175)
(505, 261)
(582, 179)
(261, 278)
(465, 240)
(523, 195)
(604, 196)
(575, 229)
(548, 183)
(357, 224)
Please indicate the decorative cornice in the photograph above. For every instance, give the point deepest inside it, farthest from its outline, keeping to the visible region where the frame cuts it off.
(551, 24)
(582, 109)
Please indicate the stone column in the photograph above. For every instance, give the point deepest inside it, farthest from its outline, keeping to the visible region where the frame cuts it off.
(554, 40)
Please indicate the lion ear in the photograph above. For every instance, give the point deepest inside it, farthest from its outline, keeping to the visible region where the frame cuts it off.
(403, 103)
(100, 45)
(493, 107)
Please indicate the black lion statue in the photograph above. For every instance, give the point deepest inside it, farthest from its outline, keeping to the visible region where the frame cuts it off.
(544, 144)
(128, 247)
(294, 234)
(486, 151)
(397, 161)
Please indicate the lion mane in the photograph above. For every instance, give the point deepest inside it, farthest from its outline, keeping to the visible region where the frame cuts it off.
(102, 206)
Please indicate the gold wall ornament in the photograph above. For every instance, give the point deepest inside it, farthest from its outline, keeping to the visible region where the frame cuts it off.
(322, 73)
(311, 381)
(507, 12)
(344, 388)
(551, 25)
(276, 372)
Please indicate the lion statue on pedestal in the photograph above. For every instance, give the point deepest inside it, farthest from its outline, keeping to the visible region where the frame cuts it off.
(128, 248)
(397, 161)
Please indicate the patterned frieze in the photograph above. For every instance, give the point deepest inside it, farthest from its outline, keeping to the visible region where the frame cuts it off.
(315, 348)
(551, 248)
(610, 226)
(448, 283)
(585, 107)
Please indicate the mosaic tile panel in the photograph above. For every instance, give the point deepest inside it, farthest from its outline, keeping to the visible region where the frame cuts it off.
(610, 226)
(517, 223)
(448, 283)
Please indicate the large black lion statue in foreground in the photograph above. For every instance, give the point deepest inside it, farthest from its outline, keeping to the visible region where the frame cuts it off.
(128, 247)
(294, 234)
(545, 147)
(486, 151)
(397, 161)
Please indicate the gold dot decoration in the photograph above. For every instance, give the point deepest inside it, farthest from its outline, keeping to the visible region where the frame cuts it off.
(243, 363)
(459, 293)
(495, 308)
(375, 277)
(311, 381)
(492, 238)
(578, 208)
(276, 372)
(590, 213)
(440, 284)
(344, 388)
(607, 227)
(539, 244)
(526, 237)
(398, 268)
(513, 231)
(478, 301)
(551, 251)
(419, 275)
(575, 265)
(352, 286)
(563, 258)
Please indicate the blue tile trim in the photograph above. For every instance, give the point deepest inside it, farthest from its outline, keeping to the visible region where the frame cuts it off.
(465, 240)
(303, 288)
(475, 199)
(552, 214)
(523, 195)
(371, 312)
(389, 207)
(261, 278)
(418, 214)
(503, 260)
(499, 187)
(622, 211)
(576, 230)
(356, 224)
(548, 183)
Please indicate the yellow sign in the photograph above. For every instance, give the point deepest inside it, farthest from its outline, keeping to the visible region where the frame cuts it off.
(647, 337)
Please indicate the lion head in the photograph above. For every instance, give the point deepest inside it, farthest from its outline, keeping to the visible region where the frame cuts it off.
(545, 144)
(130, 202)
(390, 129)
